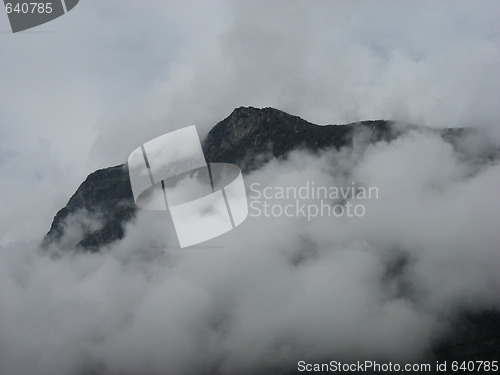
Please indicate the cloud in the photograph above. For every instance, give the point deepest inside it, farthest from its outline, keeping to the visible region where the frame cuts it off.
(110, 76)
(275, 290)
(334, 62)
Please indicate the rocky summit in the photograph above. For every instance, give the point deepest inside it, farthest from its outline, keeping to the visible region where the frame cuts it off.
(248, 137)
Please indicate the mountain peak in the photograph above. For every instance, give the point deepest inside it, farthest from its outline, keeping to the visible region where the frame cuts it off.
(249, 137)
(246, 120)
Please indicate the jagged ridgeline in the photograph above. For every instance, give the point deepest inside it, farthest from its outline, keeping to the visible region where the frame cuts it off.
(248, 137)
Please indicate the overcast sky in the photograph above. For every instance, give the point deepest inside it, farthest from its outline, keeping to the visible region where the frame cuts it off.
(83, 91)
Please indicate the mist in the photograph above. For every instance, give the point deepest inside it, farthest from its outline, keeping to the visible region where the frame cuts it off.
(275, 290)
(100, 81)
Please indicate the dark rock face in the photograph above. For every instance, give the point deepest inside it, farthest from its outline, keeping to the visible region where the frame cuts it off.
(248, 137)
(106, 195)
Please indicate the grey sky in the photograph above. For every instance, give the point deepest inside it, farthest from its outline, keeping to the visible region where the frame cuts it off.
(83, 91)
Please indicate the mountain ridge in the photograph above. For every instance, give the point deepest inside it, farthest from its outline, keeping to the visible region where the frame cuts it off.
(249, 137)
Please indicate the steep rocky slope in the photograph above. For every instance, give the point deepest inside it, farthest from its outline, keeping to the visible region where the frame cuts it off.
(248, 137)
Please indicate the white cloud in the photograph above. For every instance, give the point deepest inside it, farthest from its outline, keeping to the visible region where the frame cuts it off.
(274, 290)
